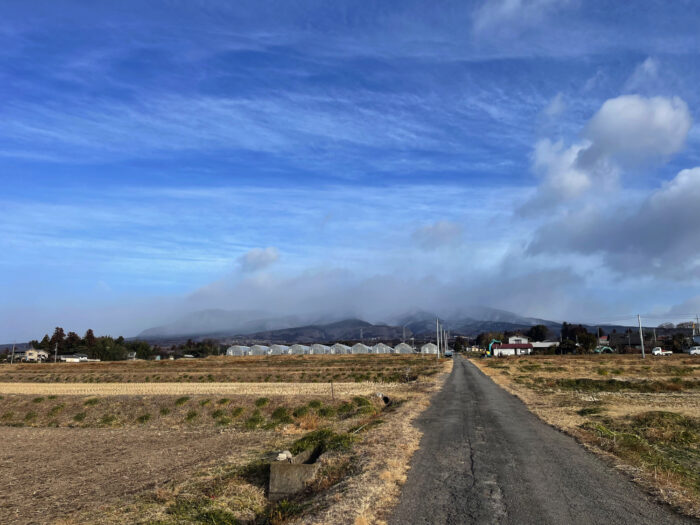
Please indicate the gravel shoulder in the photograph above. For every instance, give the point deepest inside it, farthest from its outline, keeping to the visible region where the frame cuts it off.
(485, 458)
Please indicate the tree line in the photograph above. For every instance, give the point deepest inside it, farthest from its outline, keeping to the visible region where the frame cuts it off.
(105, 348)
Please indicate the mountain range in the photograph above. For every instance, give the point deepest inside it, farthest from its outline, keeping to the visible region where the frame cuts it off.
(256, 325)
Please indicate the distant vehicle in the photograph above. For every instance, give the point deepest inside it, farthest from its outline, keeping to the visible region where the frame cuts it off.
(188, 356)
(604, 350)
(693, 350)
(448, 353)
(660, 351)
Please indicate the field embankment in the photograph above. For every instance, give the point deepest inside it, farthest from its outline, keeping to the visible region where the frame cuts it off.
(642, 414)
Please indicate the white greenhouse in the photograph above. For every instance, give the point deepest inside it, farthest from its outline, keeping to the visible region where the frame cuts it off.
(338, 348)
(430, 348)
(238, 350)
(300, 349)
(259, 350)
(279, 349)
(381, 348)
(403, 348)
(360, 348)
(320, 349)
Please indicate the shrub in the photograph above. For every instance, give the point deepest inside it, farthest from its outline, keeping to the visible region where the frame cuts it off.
(281, 415)
(181, 400)
(261, 402)
(236, 411)
(164, 411)
(345, 408)
(30, 416)
(315, 404)
(326, 412)
(204, 402)
(223, 401)
(80, 416)
(589, 411)
(217, 413)
(191, 415)
(255, 420)
(361, 401)
(300, 411)
(55, 410)
(223, 421)
(37, 400)
(324, 439)
(91, 402)
(143, 418)
(108, 419)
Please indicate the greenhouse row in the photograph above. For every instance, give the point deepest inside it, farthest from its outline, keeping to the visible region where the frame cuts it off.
(337, 348)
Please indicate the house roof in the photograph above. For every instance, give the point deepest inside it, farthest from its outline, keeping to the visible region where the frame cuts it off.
(513, 346)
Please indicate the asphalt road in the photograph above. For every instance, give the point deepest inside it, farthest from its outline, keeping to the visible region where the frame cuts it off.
(485, 458)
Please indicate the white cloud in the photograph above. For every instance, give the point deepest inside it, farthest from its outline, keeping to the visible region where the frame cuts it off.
(658, 236)
(503, 16)
(556, 106)
(258, 259)
(441, 233)
(625, 132)
(645, 75)
(632, 129)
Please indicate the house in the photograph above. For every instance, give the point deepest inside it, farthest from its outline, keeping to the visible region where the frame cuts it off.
(32, 356)
(402, 348)
(512, 349)
(338, 348)
(543, 345)
(238, 350)
(429, 348)
(73, 358)
(360, 348)
(518, 339)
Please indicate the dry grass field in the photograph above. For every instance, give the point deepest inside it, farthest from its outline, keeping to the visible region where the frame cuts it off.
(262, 369)
(642, 414)
(196, 452)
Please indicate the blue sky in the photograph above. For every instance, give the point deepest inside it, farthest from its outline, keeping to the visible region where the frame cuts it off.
(364, 158)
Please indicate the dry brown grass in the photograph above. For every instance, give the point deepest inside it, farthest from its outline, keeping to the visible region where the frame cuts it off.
(251, 369)
(596, 399)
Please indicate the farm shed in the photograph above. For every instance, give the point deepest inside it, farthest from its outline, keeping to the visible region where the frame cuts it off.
(279, 349)
(238, 350)
(430, 348)
(338, 348)
(320, 349)
(259, 350)
(403, 348)
(381, 348)
(300, 349)
(359, 348)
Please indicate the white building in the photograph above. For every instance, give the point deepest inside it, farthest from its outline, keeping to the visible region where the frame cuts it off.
(360, 348)
(338, 348)
(320, 349)
(238, 350)
(429, 348)
(512, 349)
(279, 349)
(403, 348)
(518, 340)
(543, 345)
(381, 348)
(300, 349)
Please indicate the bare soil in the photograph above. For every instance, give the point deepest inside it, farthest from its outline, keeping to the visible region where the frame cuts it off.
(52, 473)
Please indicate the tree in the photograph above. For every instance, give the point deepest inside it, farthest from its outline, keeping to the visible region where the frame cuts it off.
(538, 332)
(45, 343)
(567, 346)
(460, 344)
(58, 338)
(89, 338)
(72, 341)
(588, 341)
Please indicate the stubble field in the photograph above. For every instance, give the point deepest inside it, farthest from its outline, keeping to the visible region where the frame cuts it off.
(642, 414)
(159, 451)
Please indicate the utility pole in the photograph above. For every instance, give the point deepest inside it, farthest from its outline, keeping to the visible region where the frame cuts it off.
(641, 335)
(437, 335)
(12, 359)
(55, 353)
(654, 335)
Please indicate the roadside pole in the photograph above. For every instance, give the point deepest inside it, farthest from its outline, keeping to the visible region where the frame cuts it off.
(12, 359)
(641, 335)
(55, 353)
